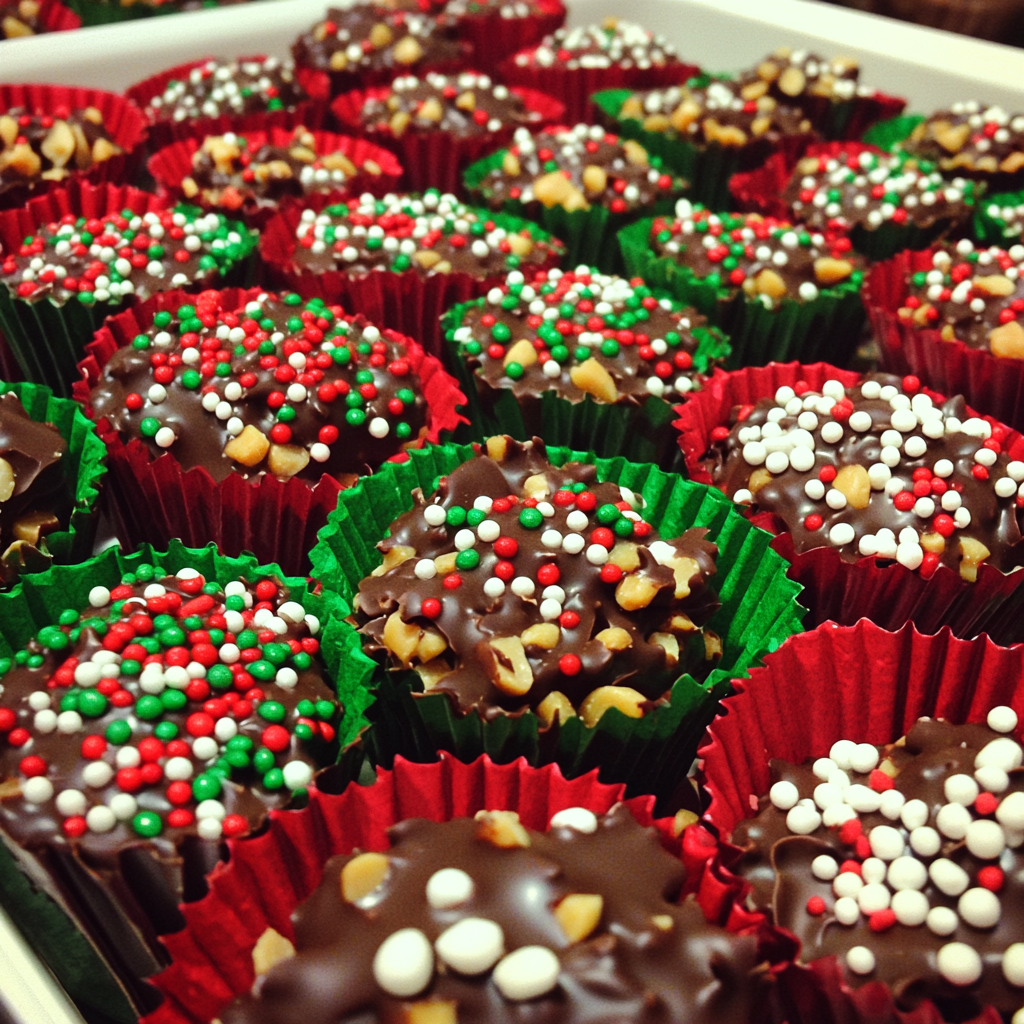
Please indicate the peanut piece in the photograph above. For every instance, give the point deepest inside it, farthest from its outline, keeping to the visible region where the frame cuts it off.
(604, 698)
(339, 60)
(1007, 340)
(768, 282)
(625, 555)
(831, 271)
(536, 486)
(951, 138)
(432, 1011)
(445, 563)
(510, 165)
(656, 123)
(371, 167)
(972, 554)
(508, 666)
(497, 447)
(407, 51)
(680, 623)
(683, 569)
(10, 789)
(683, 820)
(615, 638)
(724, 134)
(332, 161)
(521, 244)
(712, 645)
(23, 160)
(933, 542)
(59, 145)
(760, 125)
(93, 114)
(432, 673)
(543, 634)
(635, 591)
(398, 123)
(555, 189)
(946, 333)
(444, 267)
(522, 352)
(632, 108)
(768, 71)
(669, 644)
(270, 949)
(432, 644)
(579, 914)
(401, 638)
(11, 28)
(29, 528)
(754, 91)
(362, 874)
(792, 81)
(103, 149)
(595, 179)
(502, 829)
(427, 258)
(994, 284)
(380, 35)
(634, 153)
(8, 129)
(189, 187)
(285, 460)
(7, 480)
(430, 109)
(685, 114)
(853, 481)
(555, 705)
(1012, 163)
(758, 479)
(394, 555)
(466, 100)
(663, 922)
(593, 378)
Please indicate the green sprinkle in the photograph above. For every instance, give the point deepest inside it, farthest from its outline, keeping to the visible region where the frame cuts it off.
(531, 518)
(149, 707)
(468, 559)
(118, 732)
(147, 823)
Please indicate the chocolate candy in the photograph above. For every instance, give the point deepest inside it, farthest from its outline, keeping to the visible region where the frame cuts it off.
(577, 168)
(483, 920)
(278, 387)
(903, 861)
(972, 140)
(430, 234)
(45, 147)
(519, 584)
(523, 337)
(971, 295)
(769, 259)
(234, 87)
(791, 75)
(612, 43)
(34, 495)
(877, 470)
(123, 254)
(464, 105)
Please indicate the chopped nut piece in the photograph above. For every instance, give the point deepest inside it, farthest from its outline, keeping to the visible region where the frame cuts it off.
(285, 460)
(634, 591)
(432, 1011)
(407, 51)
(635, 153)
(933, 542)
(712, 645)
(792, 81)
(724, 134)
(579, 914)
(536, 486)
(663, 922)
(831, 271)
(555, 189)
(615, 638)
(10, 789)
(541, 634)
(11, 28)
(7, 480)
(431, 109)
(466, 100)
(758, 479)
(400, 120)
(593, 378)
(669, 644)
(656, 123)
(395, 555)
(497, 446)
(362, 874)
(502, 829)
(522, 352)
(972, 554)
(103, 149)
(24, 160)
(508, 667)
(431, 645)
(994, 284)
(432, 673)
(271, 949)
(768, 282)
(339, 60)
(604, 698)
(401, 638)
(510, 164)
(1013, 163)
(595, 179)
(754, 91)
(189, 188)
(632, 107)
(1007, 340)
(8, 129)
(59, 145)
(684, 115)
(555, 705)
(521, 245)
(427, 258)
(445, 563)
(951, 137)
(853, 481)
(31, 527)
(683, 820)
(626, 555)
(381, 35)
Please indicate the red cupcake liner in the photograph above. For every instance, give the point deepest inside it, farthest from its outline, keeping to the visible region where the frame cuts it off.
(211, 959)
(170, 165)
(408, 302)
(835, 590)
(494, 38)
(124, 122)
(155, 499)
(849, 119)
(310, 112)
(575, 86)
(993, 384)
(437, 159)
(869, 686)
(55, 17)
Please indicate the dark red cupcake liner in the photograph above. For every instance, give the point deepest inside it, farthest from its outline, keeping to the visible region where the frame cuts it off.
(310, 113)
(992, 384)
(267, 877)
(409, 302)
(55, 17)
(849, 119)
(494, 38)
(868, 685)
(575, 86)
(835, 590)
(124, 122)
(170, 165)
(154, 499)
(437, 159)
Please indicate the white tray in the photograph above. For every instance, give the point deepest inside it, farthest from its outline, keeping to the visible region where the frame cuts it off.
(932, 69)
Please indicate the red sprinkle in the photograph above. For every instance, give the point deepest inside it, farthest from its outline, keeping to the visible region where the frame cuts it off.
(431, 607)
(816, 906)
(986, 803)
(569, 664)
(610, 573)
(879, 781)
(992, 878)
(882, 920)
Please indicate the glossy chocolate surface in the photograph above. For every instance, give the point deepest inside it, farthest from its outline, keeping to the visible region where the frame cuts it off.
(971, 139)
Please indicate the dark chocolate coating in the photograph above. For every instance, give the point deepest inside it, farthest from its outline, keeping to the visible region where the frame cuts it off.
(792, 76)
(469, 619)
(614, 41)
(202, 435)
(778, 864)
(972, 140)
(994, 520)
(40, 501)
(628, 969)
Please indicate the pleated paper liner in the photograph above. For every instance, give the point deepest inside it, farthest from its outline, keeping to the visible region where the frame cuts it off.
(59, 903)
(409, 302)
(639, 431)
(589, 235)
(48, 339)
(886, 592)
(84, 467)
(864, 684)
(269, 876)
(494, 37)
(311, 112)
(708, 166)
(124, 122)
(172, 164)
(575, 87)
(56, 17)
(154, 499)
(992, 384)
(650, 754)
(848, 119)
(437, 159)
(761, 191)
(826, 328)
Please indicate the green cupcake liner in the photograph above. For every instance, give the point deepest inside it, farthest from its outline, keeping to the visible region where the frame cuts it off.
(48, 923)
(589, 235)
(999, 219)
(827, 329)
(651, 754)
(889, 238)
(84, 467)
(639, 433)
(889, 134)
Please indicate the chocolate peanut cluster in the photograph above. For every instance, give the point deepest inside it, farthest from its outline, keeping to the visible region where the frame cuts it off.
(790, 75)
(521, 584)
(50, 147)
(877, 470)
(971, 295)
(766, 259)
(577, 168)
(971, 139)
(613, 43)
(277, 387)
(483, 920)
(902, 861)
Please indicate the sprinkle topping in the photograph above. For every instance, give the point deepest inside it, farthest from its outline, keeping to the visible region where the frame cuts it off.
(613, 42)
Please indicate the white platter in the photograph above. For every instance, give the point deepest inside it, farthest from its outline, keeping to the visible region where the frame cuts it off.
(932, 69)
